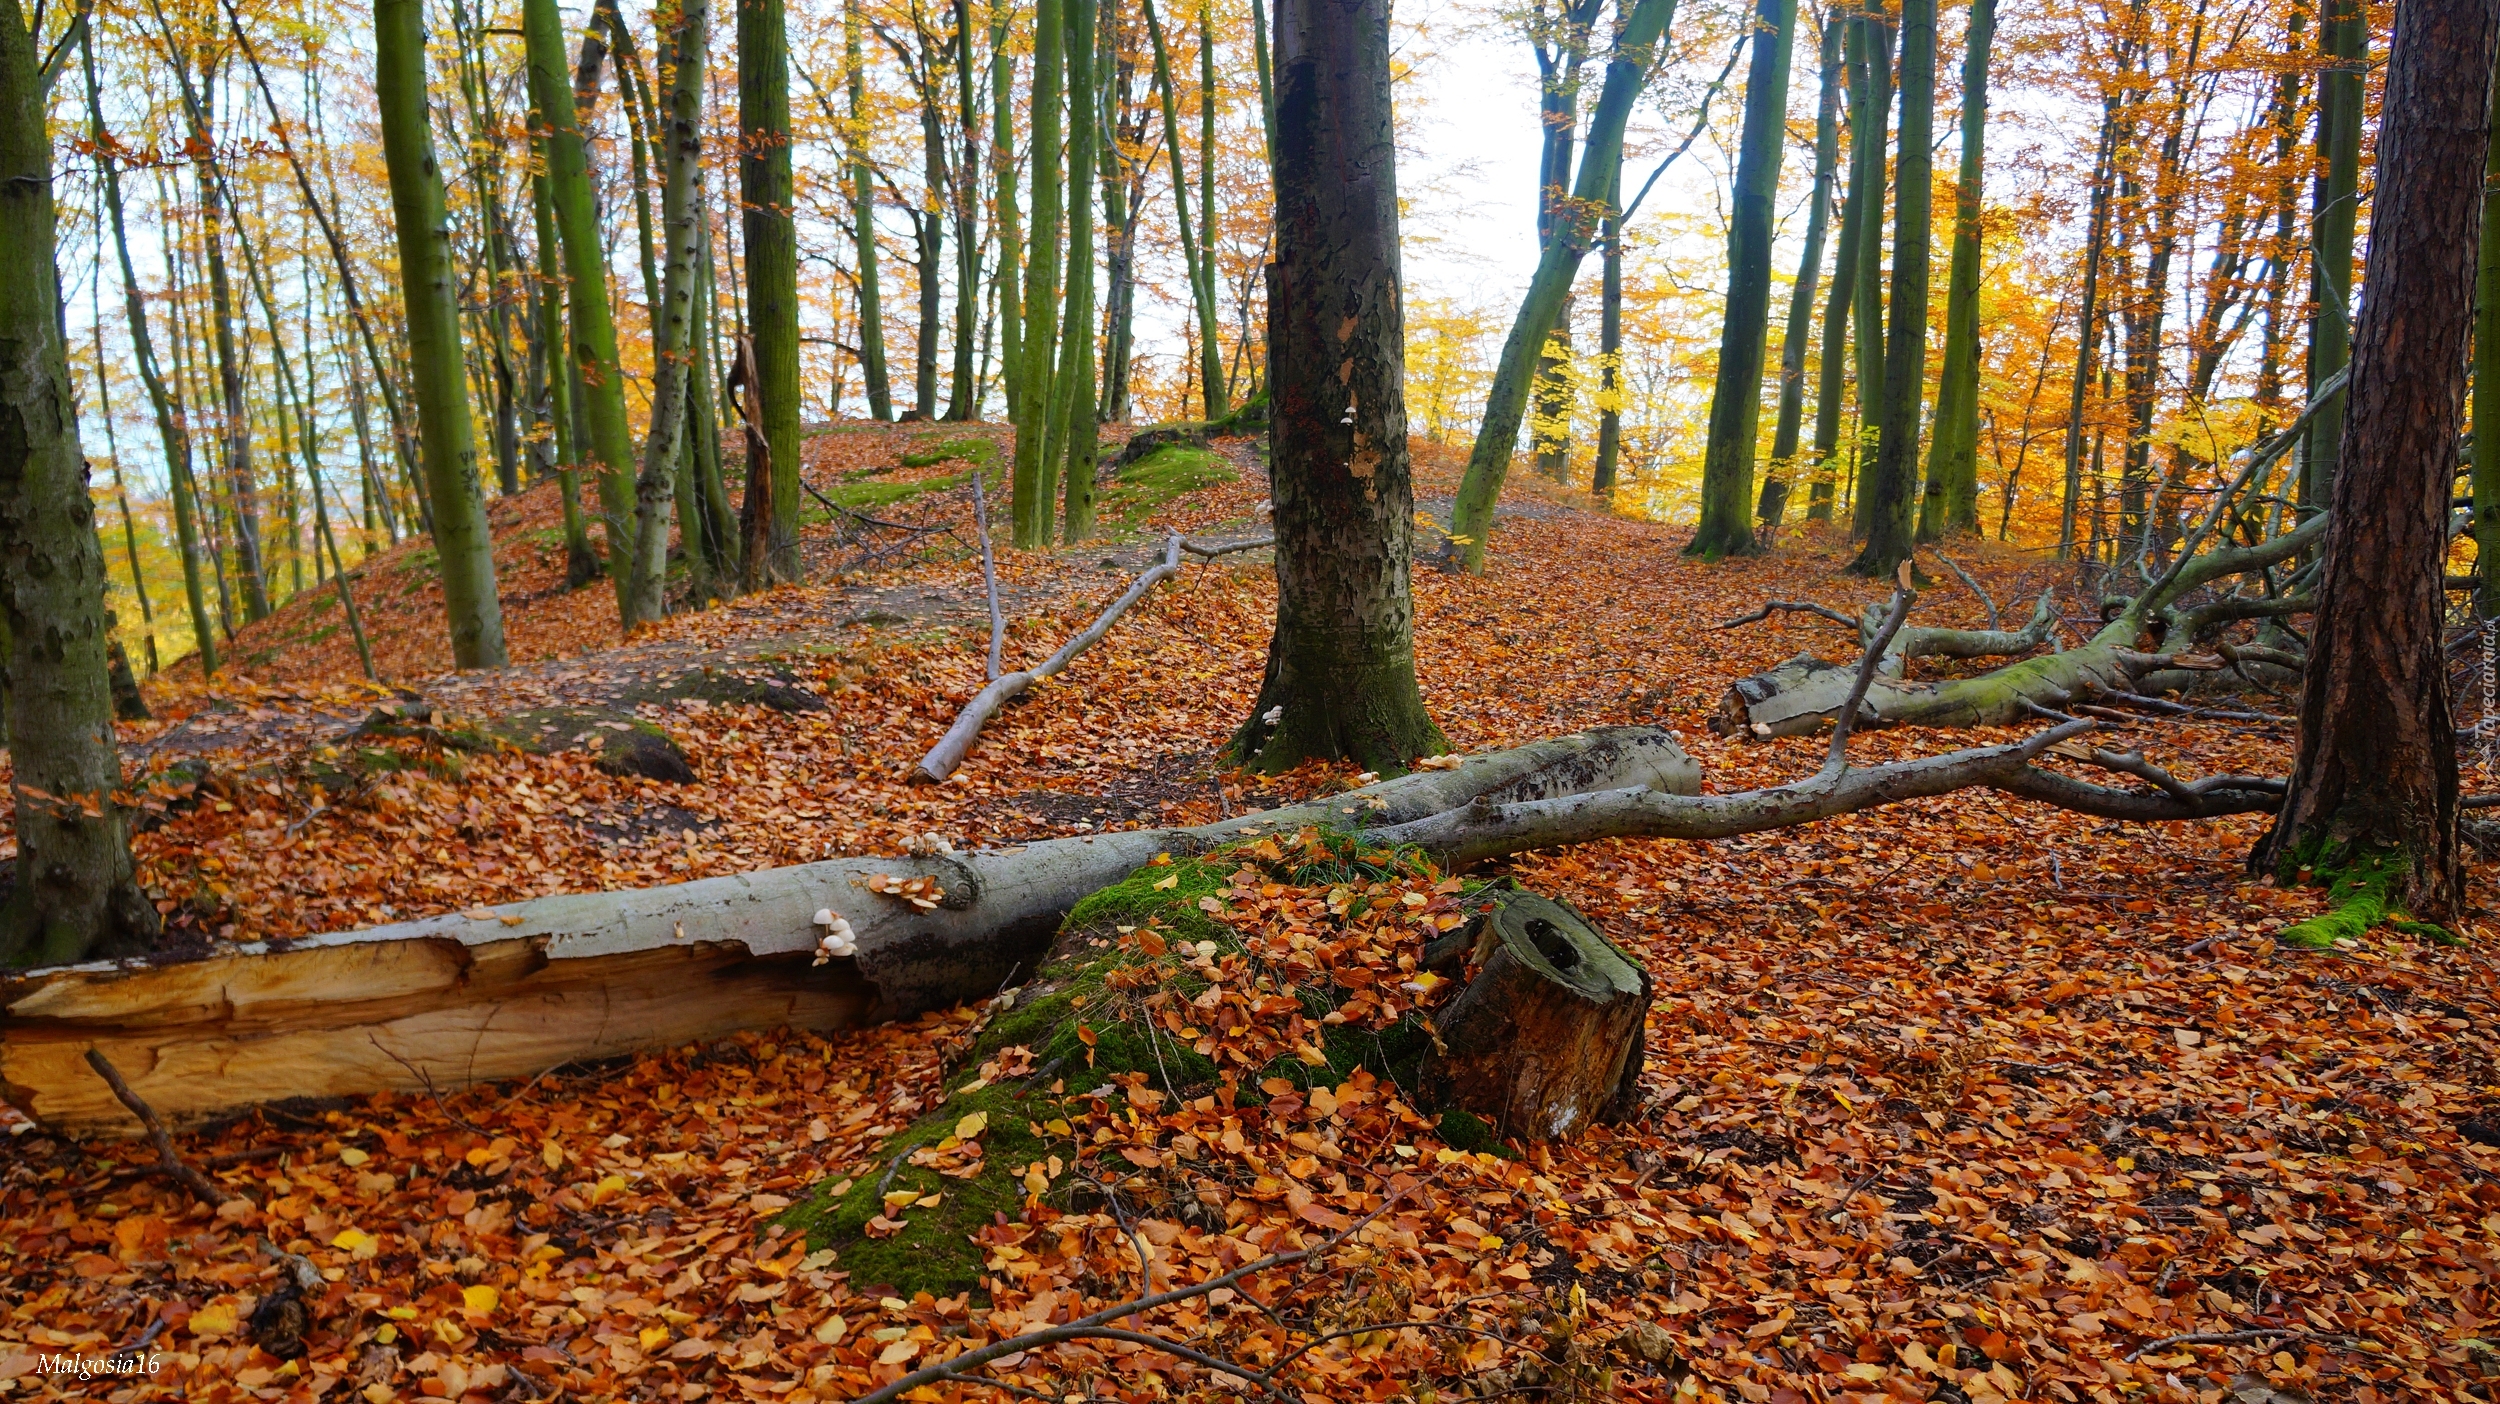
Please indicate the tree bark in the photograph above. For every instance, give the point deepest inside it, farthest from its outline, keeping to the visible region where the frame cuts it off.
(2087, 331)
(1610, 344)
(2344, 46)
(1727, 498)
(1340, 680)
(771, 238)
(961, 391)
(1031, 501)
(75, 895)
(1201, 290)
(1867, 303)
(2375, 775)
(1831, 389)
(1800, 329)
(1951, 503)
(678, 126)
(430, 289)
(1076, 438)
(1211, 378)
(2487, 386)
(1892, 496)
(581, 564)
(1009, 220)
(1547, 1038)
(1488, 462)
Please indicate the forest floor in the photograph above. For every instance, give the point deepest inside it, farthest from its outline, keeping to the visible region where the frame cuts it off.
(1961, 1099)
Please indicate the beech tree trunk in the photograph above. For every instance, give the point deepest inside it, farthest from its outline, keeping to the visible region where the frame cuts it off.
(1076, 437)
(1727, 498)
(1890, 495)
(772, 254)
(677, 125)
(872, 368)
(2344, 45)
(1031, 503)
(1786, 429)
(429, 286)
(2375, 776)
(1951, 502)
(2486, 385)
(1340, 679)
(74, 895)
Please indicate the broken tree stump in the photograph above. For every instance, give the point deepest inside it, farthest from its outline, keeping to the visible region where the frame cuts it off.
(1547, 1037)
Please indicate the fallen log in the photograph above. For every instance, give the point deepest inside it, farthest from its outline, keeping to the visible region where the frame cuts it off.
(514, 990)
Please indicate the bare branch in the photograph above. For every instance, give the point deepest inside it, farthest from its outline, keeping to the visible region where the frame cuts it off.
(1787, 607)
(168, 1163)
(1873, 658)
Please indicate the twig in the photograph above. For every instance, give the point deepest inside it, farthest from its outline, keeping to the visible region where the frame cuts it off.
(1847, 721)
(1211, 552)
(1973, 586)
(1789, 607)
(989, 576)
(2263, 1333)
(1096, 1326)
(202, 1188)
(427, 1079)
(944, 757)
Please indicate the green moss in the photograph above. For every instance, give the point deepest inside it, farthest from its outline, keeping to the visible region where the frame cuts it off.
(975, 451)
(1174, 470)
(2362, 885)
(1087, 1031)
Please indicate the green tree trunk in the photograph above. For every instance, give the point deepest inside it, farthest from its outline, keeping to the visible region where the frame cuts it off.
(1727, 498)
(1210, 343)
(1471, 516)
(2087, 329)
(464, 549)
(1081, 431)
(169, 428)
(2344, 41)
(1892, 494)
(581, 564)
(1790, 424)
(720, 520)
(1010, 220)
(633, 93)
(679, 128)
(486, 189)
(1267, 81)
(1201, 281)
(962, 393)
(1951, 503)
(599, 405)
(1867, 305)
(75, 895)
(1831, 389)
(772, 253)
(1610, 343)
(1340, 679)
(242, 491)
(1031, 502)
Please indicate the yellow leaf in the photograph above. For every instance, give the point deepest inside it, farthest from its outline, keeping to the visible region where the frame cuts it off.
(1057, 1126)
(898, 1352)
(1864, 1371)
(971, 1127)
(833, 1329)
(1168, 883)
(552, 1155)
(480, 1298)
(214, 1320)
(352, 1157)
(653, 1337)
(607, 1189)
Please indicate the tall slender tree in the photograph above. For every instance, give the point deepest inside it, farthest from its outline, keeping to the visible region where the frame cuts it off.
(2087, 329)
(1074, 431)
(1007, 219)
(2344, 46)
(1892, 493)
(1031, 503)
(1831, 390)
(1340, 679)
(75, 893)
(1506, 402)
(679, 129)
(872, 365)
(464, 550)
(2486, 406)
(2373, 792)
(1789, 425)
(1200, 269)
(965, 195)
(1951, 503)
(766, 196)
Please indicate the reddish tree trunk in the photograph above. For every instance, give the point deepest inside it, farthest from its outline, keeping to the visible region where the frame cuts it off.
(2376, 774)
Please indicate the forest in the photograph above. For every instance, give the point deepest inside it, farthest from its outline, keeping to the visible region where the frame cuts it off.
(911, 700)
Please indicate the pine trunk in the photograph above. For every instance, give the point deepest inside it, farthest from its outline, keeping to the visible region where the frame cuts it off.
(1340, 680)
(1892, 495)
(430, 288)
(2374, 782)
(74, 896)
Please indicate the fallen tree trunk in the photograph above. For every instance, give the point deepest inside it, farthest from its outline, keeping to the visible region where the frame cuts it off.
(513, 990)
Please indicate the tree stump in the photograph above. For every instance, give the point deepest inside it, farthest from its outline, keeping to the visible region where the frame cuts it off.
(1547, 1036)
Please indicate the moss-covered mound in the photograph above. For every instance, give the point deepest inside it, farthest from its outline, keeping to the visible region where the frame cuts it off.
(1113, 1020)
